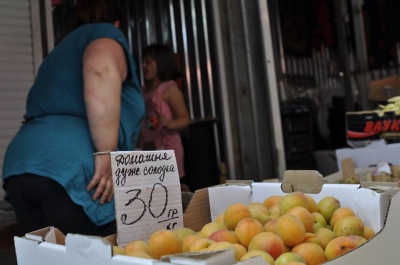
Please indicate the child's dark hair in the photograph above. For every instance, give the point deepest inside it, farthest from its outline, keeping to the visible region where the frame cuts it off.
(167, 67)
(97, 11)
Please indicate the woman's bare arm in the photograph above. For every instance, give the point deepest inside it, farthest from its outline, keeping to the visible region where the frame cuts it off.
(104, 69)
(174, 97)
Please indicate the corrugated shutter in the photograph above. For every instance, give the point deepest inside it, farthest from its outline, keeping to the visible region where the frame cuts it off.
(18, 50)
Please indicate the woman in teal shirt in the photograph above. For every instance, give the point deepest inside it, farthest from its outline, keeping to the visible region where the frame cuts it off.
(86, 99)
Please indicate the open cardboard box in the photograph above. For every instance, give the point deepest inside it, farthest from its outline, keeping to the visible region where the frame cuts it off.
(379, 209)
(50, 246)
(373, 154)
(383, 175)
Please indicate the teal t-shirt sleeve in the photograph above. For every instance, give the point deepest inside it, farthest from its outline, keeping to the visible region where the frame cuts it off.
(106, 30)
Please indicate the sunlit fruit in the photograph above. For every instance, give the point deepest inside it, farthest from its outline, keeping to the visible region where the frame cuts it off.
(338, 246)
(210, 228)
(268, 242)
(164, 242)
(234, 214)
(290, 229)
(246, 229)
(271, 201)
(223, 235)
(340, 213)
(304, 215)
(312, 253)
(291, 200)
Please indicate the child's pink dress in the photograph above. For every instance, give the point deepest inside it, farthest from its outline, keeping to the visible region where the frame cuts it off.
(154, 136)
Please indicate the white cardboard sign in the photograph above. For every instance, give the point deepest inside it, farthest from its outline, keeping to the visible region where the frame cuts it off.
(147, 193)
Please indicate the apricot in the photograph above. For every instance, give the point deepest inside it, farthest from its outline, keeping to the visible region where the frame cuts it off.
(340, 213)
(220, 218)
(290, 229)
(234, 214)
(285, 258)
(246, 229)
(139, 254)
(117, 250)
(164, 242)
(312, 204)
(312, 253)
(271, 201)
(338, 246)
(240, 250)
(258, 207)
(188, 242)
(137, 245)
(358, 239)
(270, 226)
(255, 252)
(274, 209)
(319, 220)
(220, 246)
(325, 235)
(349, 225)
(260, 216)
(223, 235)
(312, 238)
(275, 215)
(268, 242)
(183, 232)
(200, 244)
(291, 200)
(304, 215)
(326, 207)
(210, 228)
(368, 232)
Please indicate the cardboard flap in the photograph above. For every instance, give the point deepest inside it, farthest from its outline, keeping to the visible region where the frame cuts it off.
(223, 196)
(307, 181)
(49, 234)
(88, 247)
(112, 239)
(197, 213)
(380, 186)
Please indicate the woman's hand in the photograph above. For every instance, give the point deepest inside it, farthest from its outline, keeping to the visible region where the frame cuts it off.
(102, 179)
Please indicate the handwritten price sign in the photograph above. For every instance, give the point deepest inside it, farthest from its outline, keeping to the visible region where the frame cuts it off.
(147, 193)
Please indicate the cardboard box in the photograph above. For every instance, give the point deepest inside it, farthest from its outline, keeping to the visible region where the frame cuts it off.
(376, 124)
(370, 205)
(383, 89)
(372, 125)
(371, 155)
(47, 246)
(362, 172)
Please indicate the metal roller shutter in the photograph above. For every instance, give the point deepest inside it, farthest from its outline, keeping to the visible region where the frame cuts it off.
(20, 55)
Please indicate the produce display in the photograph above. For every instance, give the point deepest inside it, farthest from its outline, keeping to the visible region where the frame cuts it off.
(284, 230)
